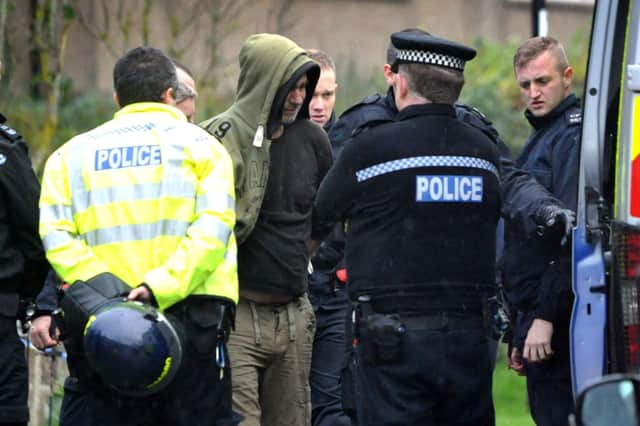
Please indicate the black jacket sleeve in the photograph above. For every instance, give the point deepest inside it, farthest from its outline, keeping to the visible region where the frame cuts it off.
(555, 294)
(522, 195)
(21, 253)
(321, 227)
(47, 299)
(338, 188)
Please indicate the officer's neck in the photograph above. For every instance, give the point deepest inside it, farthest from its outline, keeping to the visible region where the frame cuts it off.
(407, 101)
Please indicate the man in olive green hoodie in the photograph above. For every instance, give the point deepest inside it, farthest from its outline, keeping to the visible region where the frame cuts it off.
(280, 158)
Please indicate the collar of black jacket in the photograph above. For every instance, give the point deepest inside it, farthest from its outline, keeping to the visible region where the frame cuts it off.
(570, 101)
(422, 109)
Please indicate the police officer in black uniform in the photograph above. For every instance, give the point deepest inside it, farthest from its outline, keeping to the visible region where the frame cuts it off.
(22, 268)
(422, 198)
(537, 271)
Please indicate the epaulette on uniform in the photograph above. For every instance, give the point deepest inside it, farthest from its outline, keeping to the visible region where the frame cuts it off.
(371, 99)
(573, 117)
(473, 110)
(368, 125)
(474, 117)
(7, 132)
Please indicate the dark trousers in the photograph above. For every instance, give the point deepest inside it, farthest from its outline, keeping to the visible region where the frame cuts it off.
(329, 351)
(14, 376)
(549, 387)
(549, 391)
(441, 377)
(196, 397)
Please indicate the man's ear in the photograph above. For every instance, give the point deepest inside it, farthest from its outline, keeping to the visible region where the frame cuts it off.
(388, 74)
(115, 99)
(168, 96)
(567, 78)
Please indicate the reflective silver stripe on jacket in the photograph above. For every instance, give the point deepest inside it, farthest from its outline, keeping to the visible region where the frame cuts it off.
(140, 192)
(55, 239)
(426, 161)
(217, 202)
(55, 213)
(135, 232)
(231, 256)
(213, 225)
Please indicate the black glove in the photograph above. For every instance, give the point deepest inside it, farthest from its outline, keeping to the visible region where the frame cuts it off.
(555, 221)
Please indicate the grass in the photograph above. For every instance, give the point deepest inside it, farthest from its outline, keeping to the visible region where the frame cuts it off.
(509, 395)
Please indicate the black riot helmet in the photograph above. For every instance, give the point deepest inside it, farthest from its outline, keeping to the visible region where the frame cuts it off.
(132, 347)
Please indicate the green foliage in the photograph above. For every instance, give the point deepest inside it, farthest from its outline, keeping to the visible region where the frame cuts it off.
(490, 86)
(77, 114)
(354, 85)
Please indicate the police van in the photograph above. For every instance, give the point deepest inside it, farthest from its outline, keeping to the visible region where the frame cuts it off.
(605, 327)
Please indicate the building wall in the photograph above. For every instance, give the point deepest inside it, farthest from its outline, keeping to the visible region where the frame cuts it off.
(349, 30)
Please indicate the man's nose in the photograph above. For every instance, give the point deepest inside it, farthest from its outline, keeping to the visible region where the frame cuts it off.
(297, 96)
(315, 104)
(534, 91)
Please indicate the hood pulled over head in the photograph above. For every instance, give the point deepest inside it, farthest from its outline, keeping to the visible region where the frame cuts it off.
(270, 66)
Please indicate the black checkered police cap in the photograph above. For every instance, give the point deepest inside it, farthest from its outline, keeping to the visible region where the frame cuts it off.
(415, 48)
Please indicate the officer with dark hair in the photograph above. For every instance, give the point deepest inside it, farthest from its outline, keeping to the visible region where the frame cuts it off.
(47, 300)
(142, 208)
(421, 196)
(525, 202)
(22, 267)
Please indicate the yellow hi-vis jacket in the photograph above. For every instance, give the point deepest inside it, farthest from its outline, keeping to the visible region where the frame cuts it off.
(147, 197)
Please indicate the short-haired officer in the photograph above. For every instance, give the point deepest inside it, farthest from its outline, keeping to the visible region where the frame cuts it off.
(146, 199)
(537, 272)
(422, 199)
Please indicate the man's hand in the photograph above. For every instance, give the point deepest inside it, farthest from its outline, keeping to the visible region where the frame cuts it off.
(537, 346)
(554, 219)
(515, 362)
(140, 293)
(40, 333)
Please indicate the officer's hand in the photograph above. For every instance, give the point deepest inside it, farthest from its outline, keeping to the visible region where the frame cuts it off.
(555, 220)
(41, 333)
(515, 362)
(140, 293)
(537, 346)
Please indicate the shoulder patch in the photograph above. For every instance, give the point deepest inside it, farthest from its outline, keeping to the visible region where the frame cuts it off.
(471, 110)
(8, 133)
(473, 117)
(573, 117)
(371, 99)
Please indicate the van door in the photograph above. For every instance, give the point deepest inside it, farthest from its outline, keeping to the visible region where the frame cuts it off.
(605, 327)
